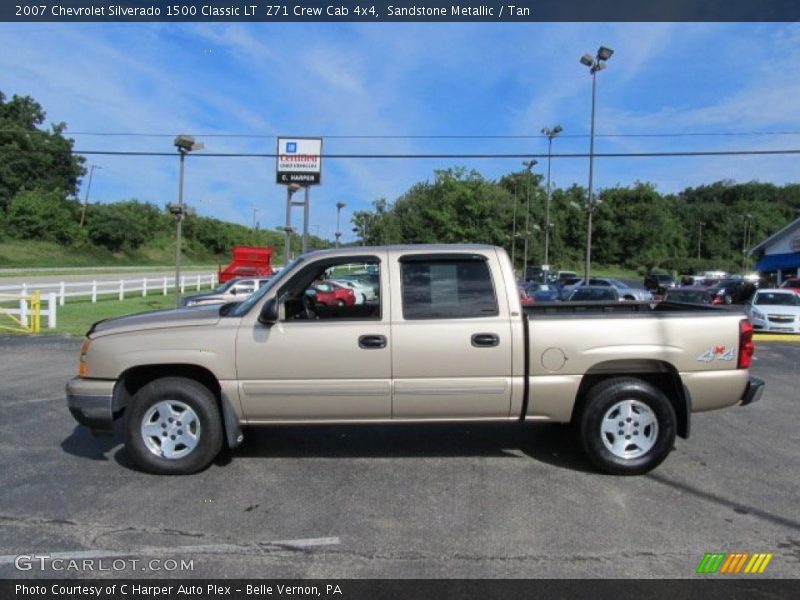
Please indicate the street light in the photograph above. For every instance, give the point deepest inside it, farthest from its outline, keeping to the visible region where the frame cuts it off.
(528, 164)
(339, 207)
(699, 237)
(184, 144)
(595, 64)
(88, 187)
(550, 133)
(255, 223)
(514, 228)
(746, 240)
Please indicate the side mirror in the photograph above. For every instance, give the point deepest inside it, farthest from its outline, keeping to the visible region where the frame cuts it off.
(269, 312)
(233, 291)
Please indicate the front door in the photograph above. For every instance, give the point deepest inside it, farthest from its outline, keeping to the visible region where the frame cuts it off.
(323, 361)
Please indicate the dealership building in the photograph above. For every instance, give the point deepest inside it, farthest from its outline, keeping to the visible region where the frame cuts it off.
(779, 254)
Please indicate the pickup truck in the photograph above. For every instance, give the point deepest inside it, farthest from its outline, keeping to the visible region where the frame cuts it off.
(444, 340)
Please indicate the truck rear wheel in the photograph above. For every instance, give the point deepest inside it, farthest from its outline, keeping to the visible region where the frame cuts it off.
(173, 427)
(627, 426)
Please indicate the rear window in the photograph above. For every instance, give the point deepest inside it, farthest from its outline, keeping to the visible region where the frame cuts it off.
(447, 289)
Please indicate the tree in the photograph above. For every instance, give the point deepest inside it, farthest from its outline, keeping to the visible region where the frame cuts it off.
(33, 158)
(40, 215)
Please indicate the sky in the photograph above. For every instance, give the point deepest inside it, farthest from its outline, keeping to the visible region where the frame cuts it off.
(260, 80)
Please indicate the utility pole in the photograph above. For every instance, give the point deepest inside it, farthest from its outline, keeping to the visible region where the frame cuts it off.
(88, 188)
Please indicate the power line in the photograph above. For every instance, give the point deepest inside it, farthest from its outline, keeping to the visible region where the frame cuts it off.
(477, 156)
(424, 137)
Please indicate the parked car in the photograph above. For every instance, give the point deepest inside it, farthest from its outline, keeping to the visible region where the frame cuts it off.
(792, 284)
(524, 298)
(659, 284)
(330, 293)
(687, 295)
(775, 310)
(543, 292)
(731, 291)
(365, 292)
(233, 290)
(593, 293)
(625, 291)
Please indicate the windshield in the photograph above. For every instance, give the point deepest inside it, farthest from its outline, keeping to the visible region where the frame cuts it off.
(243, 307)
(777, 299)
(222, 287)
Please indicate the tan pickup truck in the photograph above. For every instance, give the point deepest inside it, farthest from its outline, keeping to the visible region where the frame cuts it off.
(444, 340)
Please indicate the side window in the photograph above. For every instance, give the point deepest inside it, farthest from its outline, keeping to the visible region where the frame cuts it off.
(346, 289)
(447, 288)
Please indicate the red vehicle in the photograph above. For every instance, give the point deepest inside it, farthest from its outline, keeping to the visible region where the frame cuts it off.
(792, 284)
(524, 298)
(248, 261)
(329, 293)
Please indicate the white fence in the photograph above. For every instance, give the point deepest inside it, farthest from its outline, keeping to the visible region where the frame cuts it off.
(119, 288)
(26, 312)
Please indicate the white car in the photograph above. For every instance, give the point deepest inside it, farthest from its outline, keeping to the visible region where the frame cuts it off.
(775, 310)
(364, 291)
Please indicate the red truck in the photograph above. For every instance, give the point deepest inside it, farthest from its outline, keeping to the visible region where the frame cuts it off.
(248, 261)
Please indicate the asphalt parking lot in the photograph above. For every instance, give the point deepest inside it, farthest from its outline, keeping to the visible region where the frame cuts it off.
(412, 501)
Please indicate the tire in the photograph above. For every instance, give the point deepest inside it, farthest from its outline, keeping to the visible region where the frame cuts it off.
(187, 412)
(648, 425)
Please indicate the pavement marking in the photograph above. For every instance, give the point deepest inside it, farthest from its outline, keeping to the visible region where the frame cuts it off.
(792, 338)
(298, 544)
(32, 401)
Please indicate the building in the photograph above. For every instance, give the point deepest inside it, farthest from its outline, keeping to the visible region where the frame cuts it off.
(778, 256)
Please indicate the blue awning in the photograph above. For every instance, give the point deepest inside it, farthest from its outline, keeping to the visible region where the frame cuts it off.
(773, 262)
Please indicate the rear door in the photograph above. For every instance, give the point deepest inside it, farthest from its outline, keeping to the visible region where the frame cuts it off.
(452, 338)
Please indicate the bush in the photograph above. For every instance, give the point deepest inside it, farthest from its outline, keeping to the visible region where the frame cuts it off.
(121, 225)
(41, 215)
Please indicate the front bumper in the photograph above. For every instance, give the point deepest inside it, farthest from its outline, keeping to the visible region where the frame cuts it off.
(91, 402)
(753, 391)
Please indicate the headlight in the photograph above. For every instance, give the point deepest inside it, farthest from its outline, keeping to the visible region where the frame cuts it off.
(83, 365)
(757, 314)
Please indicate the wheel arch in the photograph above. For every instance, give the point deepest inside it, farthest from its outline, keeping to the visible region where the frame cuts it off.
(657, 373)
(135, 378)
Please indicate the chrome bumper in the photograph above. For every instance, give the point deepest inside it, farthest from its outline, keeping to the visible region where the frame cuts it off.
(91, 402)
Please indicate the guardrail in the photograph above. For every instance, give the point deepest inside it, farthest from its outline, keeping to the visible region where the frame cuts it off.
(26, 314)
(118, 288)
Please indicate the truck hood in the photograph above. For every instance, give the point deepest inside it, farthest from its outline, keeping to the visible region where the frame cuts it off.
(159, 319)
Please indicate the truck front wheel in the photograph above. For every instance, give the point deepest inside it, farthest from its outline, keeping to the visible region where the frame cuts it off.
(173, 426)
(627, 426)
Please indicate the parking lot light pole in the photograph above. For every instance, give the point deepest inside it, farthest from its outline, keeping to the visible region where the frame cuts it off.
(184, 144)
(514, 228)
(699, 237)
(528, 164)
(550, 133)
(338, 234)
(746, 241)
(595, 64)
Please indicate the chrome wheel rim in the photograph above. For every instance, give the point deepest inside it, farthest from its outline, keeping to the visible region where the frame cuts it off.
(629, 429)
(170, 429)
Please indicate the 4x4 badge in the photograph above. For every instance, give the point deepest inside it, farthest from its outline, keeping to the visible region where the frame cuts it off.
(717, 353)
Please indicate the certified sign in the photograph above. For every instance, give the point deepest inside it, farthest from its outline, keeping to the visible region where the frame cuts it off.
(299, 160)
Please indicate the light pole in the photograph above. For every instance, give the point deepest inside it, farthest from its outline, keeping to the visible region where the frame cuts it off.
(528, 164)
(88, 188)
(255, 223)
(550, 133)
(595, 64)
(746, 241)
(339, 207)
(184, 144)
(699, 237)
(514, 229)
(289, 230)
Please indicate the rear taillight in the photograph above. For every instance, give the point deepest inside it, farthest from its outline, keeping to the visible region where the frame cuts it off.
(746, 345)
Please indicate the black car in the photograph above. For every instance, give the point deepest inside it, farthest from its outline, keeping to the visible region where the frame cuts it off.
(731, 291)
(659, 284)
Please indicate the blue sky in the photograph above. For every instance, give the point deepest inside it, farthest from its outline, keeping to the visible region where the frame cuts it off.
(329, 79)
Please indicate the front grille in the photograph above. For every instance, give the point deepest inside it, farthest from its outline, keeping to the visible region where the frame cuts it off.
(780, 318)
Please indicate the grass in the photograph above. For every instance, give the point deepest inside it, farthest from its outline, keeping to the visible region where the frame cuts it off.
(76, 316)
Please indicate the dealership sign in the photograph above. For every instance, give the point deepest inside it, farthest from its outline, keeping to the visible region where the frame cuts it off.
(299, 160)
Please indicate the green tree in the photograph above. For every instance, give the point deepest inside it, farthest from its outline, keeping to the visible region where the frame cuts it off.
(40, 215)
(32, 157)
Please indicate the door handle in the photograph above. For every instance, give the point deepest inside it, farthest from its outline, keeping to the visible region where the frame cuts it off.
(485, 340)
(368, 342)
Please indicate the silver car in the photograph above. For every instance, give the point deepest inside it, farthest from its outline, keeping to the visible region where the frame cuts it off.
(624, 291)
(234, 290)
